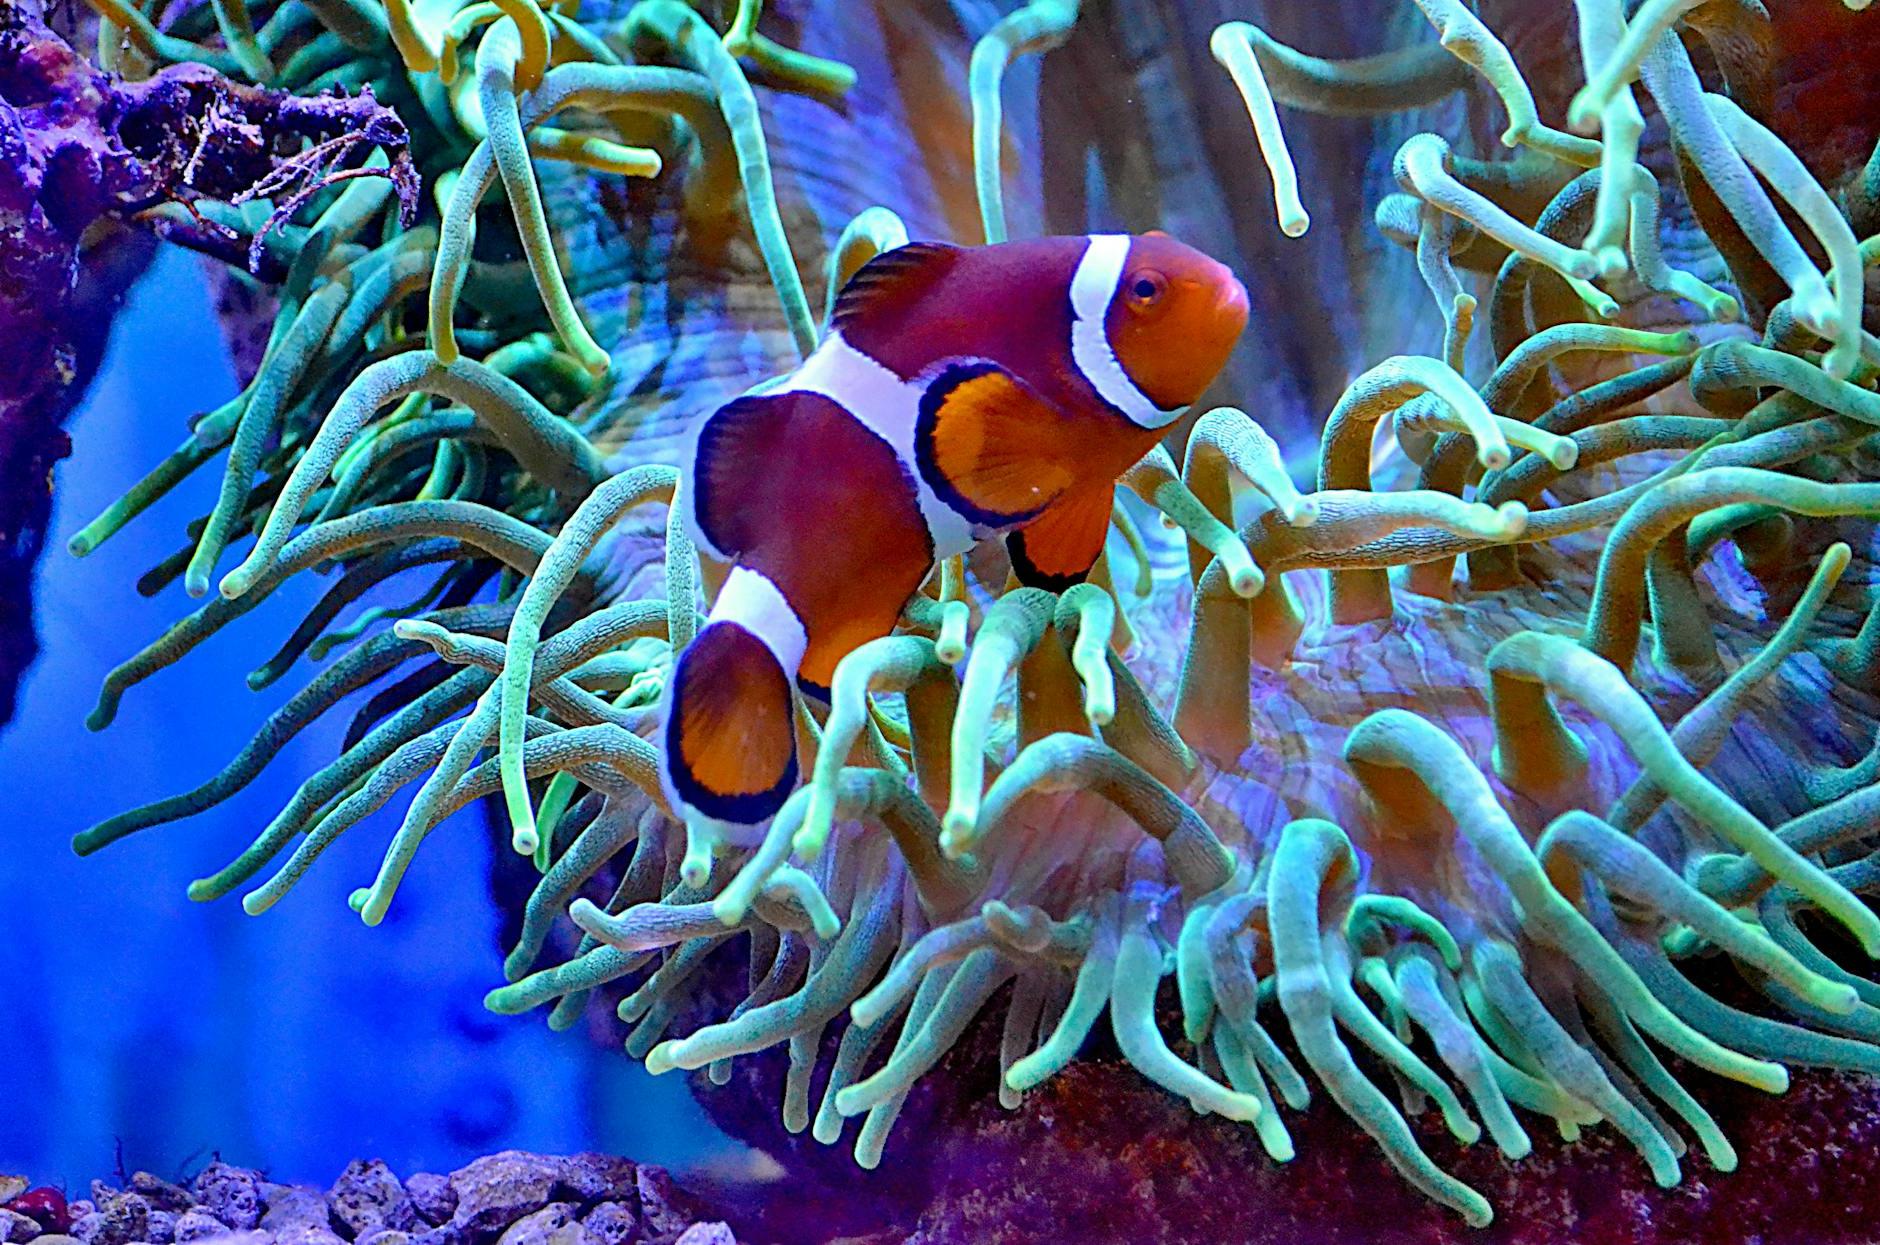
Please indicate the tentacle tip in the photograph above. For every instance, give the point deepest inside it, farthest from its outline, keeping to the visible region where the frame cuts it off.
(696, 870)
(1512, 518)
(1583, 112)
(80, 545)
(234, 584)
(203, 890)
(1243, 1108)
(1839, 362)
(1564, 454)
(662, 1058)
(1611, 262)
(86, 842)
(1247, 581)
(254, 903)
(596, 362)
(524, 839)
(357, 899)
(1295, 224)
(1303, 512)
(729, 910)
(1836, 998)
(373, 907)
(1493, 457)
(956, 833)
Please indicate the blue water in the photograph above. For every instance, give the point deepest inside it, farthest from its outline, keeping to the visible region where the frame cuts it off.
(140, 1024)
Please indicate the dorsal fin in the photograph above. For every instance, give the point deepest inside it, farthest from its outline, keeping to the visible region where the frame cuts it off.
(895, 277)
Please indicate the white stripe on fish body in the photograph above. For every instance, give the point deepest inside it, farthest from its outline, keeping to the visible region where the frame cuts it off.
(889, 407)
(1092, 288)
(749, 599)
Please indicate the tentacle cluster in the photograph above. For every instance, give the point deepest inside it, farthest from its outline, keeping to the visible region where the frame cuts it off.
(1502, 904)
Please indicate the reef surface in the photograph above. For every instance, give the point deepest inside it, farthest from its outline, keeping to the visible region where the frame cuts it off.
(510, 1198)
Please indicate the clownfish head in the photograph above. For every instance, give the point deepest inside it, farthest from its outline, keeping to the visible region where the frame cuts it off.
(1173, 318)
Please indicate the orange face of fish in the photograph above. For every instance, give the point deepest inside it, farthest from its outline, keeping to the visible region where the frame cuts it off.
(1174, 319)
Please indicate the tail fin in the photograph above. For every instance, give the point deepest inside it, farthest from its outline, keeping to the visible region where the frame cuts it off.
(730, 732)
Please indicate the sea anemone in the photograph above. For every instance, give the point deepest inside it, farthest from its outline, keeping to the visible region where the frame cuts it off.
(1276, 750)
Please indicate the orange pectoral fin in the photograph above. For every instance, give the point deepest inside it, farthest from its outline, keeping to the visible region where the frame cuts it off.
(989, 446)
(730, 740)
(1058, 548)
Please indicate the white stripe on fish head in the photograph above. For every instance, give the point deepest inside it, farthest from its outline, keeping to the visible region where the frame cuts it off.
(1092, 289)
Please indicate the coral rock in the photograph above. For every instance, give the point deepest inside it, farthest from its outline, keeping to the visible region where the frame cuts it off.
(593, 1177)
(45, 1206)
(494, 1192)
(290, 1207)
(665, 1208)
(231, 1194)
(160, 1193)
(367, 1196)
(197, 1225)
(611, 1223)
(554, 1224)
(17, 1227)
(307, 1234)
(432, 1197)
(707, 1234)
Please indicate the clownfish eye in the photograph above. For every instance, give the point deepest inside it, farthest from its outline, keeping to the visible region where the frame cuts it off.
(1146, 288)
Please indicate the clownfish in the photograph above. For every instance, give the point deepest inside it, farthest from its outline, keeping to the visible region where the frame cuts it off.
(960, 393)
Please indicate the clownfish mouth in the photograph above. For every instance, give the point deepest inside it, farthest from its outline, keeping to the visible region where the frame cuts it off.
(1232, 308)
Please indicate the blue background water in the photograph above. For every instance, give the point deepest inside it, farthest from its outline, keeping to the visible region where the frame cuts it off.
(293, 1041)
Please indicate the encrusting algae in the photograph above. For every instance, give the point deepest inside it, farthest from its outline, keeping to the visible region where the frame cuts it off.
(1243, 757)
